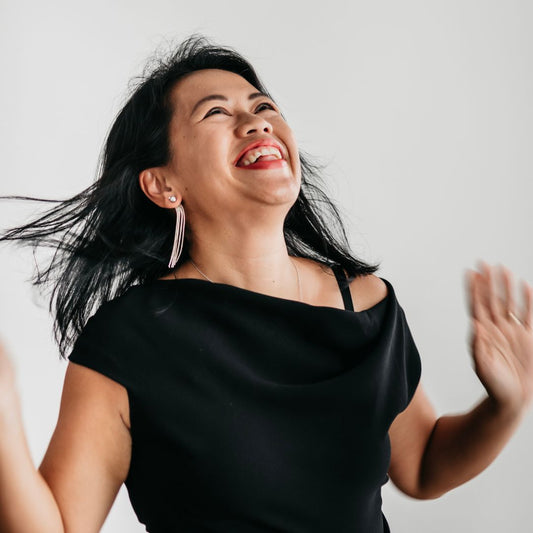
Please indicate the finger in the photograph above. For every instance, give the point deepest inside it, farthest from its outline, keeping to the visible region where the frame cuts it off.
(479, 299)
(469, 290)
(495, 333)
(508, 283)
(528, 301)
(494, 302)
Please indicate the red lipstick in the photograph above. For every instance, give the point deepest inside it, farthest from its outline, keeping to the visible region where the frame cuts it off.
(263, 142)
(274, 163)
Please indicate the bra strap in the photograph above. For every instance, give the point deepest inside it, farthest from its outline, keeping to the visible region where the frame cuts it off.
(343, 286)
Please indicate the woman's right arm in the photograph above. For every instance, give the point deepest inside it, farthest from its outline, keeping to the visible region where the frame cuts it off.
(85, 464)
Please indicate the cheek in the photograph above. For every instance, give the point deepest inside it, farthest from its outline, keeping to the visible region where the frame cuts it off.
(192, 152)
(213, 151)
(285, 131)
(291, 143)
(207, 160)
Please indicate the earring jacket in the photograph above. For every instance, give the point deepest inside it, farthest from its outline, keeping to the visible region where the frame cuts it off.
(179, 233)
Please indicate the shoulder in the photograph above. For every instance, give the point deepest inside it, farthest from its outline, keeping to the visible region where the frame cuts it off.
(116, 321)
(367, 291)
(137, 300)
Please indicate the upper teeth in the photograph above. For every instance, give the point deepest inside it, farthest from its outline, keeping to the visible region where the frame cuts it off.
(252, 155)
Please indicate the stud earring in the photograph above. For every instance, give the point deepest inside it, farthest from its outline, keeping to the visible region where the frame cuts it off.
(179, 232)
(172, 198)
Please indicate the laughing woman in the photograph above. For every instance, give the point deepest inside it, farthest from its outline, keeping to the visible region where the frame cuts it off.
(230, 360)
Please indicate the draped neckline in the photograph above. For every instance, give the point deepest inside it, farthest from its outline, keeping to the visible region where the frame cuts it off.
(233, 289)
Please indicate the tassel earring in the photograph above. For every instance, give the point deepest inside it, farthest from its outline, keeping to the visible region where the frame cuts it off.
(178, 234)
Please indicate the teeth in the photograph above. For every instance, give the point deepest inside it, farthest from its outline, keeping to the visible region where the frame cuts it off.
(253, 155)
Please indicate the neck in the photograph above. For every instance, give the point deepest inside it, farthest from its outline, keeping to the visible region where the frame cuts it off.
(267, 268)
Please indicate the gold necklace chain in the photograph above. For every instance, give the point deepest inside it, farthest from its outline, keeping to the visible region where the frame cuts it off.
(293, 264)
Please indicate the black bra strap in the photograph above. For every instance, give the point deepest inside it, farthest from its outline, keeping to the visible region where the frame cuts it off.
(343, 286)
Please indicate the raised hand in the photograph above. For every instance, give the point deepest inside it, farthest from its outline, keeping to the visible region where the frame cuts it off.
(502, 336)
(7, 383)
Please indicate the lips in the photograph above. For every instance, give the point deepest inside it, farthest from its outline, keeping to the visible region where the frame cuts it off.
(257, 144)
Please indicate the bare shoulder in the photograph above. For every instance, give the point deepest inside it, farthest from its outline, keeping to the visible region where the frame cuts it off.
(367, 291)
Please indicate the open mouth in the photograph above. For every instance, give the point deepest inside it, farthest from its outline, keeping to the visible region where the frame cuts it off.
(264, 163)
(260, 154)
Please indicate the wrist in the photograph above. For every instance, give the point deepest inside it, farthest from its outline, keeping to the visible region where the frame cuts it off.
(506, 410)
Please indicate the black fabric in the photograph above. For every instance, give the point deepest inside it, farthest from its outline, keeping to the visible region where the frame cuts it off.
(344, 287)
(252, 413)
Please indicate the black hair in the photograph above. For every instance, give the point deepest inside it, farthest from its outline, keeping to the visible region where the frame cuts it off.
(111, 236)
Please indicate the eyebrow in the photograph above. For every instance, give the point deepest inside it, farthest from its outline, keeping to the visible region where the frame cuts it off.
(209, 97)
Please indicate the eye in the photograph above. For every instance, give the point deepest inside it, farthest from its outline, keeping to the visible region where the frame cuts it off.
(215, 110)
(267, 104)
(210, 112)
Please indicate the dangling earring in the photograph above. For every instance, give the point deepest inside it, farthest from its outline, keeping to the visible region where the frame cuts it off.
(178, 234)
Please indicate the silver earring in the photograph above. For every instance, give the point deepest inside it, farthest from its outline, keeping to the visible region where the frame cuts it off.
(172, 198)
(178, 235)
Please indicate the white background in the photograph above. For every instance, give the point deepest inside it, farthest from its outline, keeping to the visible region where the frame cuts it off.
(423, 112)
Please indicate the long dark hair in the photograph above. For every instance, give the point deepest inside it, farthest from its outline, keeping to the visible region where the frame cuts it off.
(111, 236)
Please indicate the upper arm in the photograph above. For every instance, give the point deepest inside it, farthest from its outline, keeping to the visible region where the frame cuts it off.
(409, 434)
(89, 454)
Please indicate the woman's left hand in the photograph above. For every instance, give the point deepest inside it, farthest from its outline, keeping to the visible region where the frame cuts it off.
(502, 337)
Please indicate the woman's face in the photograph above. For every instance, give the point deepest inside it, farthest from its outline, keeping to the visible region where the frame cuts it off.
(208, 134)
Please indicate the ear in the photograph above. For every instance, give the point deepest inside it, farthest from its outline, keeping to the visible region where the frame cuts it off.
(156, 188)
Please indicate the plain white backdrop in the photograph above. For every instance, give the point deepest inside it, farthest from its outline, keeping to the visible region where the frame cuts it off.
(422, 111)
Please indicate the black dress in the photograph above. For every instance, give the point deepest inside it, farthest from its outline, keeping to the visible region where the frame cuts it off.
(252, 413)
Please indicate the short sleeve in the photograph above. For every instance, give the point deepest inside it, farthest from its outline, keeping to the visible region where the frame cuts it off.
(99, 345)
(412, 365)
(402, 365)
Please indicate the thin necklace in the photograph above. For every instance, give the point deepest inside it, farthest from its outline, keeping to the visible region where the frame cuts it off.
(293, 264)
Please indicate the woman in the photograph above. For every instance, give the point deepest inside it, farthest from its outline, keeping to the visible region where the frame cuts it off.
(242, 371)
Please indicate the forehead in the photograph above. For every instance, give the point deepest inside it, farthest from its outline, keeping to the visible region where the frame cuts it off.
(201, 83)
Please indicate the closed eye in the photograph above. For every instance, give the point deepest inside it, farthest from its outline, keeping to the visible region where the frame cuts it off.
(214, 110)
(210, 112)
(267, 104)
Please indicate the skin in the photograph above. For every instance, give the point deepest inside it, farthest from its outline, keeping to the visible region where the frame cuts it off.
(235, 215)
(432, 456)
(235, 219)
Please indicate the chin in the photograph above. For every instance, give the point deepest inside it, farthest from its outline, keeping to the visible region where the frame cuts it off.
(286, 195)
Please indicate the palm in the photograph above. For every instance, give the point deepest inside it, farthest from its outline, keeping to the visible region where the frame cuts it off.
(502, 346)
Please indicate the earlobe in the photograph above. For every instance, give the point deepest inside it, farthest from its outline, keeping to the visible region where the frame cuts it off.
(155, 187)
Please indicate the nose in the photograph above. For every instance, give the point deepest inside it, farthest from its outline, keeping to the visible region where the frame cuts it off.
(252, 123)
